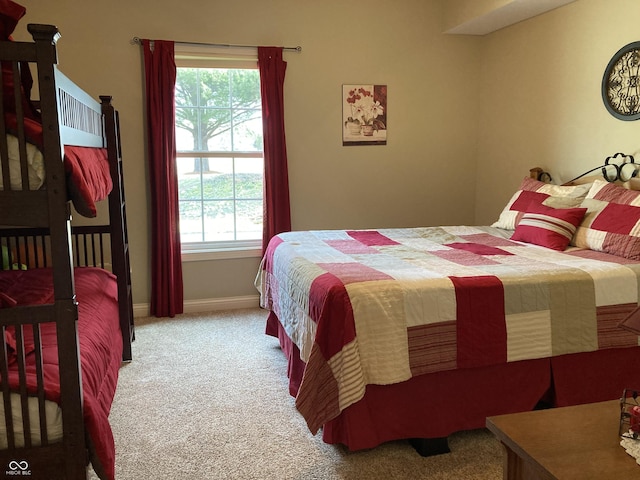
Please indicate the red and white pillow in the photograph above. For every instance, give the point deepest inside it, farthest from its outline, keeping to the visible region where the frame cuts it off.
(534, 192)
(612, 221)
(549, 227)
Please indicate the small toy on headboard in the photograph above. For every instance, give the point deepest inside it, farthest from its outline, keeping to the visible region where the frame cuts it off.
(539, 174)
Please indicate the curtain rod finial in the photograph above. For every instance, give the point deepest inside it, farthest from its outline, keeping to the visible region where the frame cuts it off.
(136, 41)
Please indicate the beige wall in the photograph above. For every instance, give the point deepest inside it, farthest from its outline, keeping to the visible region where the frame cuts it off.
(523, 96)
(432, 109)
(541, 102)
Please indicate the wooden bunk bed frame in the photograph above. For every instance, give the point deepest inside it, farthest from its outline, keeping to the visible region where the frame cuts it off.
(40, 222)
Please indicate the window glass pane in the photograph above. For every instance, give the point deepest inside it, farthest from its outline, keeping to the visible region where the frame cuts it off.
(219, 221)
(220, 165)
(189, 182)
(247, 131)
(218, 179)
(214, 87)
(186, 92)
(190, 221)
(216, 130)
(186, 129)
(249, 220)
(245, 89)
(249, 178)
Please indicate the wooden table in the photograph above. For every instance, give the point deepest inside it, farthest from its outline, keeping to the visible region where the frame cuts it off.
(564, 443)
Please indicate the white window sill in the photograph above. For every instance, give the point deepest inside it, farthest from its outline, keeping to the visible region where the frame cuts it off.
(194, 255)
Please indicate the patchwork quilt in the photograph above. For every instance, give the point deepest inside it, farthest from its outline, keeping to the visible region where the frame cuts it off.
(381, 306)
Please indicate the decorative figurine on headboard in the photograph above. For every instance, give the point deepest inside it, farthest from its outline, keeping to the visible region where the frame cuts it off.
(539, 174)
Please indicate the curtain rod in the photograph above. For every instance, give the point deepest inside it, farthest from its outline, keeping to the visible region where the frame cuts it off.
(138, 41)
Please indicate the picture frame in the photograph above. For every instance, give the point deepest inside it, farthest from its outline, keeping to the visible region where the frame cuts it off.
(364, 114)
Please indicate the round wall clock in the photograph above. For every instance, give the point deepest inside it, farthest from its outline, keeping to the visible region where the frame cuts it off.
(621, 83)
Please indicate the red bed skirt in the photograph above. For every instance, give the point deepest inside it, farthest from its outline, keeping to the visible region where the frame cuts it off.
(439, 404)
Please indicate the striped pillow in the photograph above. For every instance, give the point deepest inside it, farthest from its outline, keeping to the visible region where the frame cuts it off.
(533, 191)
(549, 227)
(612, 222)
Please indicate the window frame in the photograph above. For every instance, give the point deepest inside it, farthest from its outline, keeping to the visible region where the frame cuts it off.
(205, 56)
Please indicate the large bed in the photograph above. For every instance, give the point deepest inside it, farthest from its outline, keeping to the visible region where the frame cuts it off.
(418, 333)
(65, 289)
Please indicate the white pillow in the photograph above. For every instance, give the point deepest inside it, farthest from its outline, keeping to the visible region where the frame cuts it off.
(35, 166)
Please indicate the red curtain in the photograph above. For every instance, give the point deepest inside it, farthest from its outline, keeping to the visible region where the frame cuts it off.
(277, 212)
(166, 264)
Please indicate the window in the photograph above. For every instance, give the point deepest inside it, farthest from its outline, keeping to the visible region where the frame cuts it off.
(219, 151)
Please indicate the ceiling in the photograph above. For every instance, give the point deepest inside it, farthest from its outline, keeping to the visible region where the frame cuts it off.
(497, 17)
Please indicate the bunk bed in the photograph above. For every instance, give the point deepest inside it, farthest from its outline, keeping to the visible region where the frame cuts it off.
(65, 291)
(423, 332)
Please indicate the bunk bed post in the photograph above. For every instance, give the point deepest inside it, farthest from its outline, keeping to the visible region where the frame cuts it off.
(66, 308)
(118, 222)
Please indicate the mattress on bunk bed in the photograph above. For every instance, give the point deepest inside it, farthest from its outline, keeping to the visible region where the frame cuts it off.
(87, 169)
(53, 413)
(380, 307)
(100, 346)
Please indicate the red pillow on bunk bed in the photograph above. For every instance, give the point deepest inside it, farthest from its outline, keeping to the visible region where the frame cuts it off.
(89, 178)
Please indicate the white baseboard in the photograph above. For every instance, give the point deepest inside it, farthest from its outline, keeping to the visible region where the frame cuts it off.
(206, 305)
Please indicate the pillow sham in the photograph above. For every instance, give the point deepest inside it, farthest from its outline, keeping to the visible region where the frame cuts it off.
(88, 177)
(612, 221)
(536, 192)
(548, 227)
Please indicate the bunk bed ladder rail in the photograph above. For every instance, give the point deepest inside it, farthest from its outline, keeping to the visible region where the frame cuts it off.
(119, 236)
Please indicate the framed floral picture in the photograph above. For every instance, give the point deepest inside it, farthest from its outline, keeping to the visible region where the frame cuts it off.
(364, 115)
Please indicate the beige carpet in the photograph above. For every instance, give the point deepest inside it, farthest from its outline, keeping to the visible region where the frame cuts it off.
(206, 398)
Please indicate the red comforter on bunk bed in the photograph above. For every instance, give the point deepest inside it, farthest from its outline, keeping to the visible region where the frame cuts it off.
(100, 346)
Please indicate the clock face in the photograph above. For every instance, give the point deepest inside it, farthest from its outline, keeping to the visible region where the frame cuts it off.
(621, 83)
